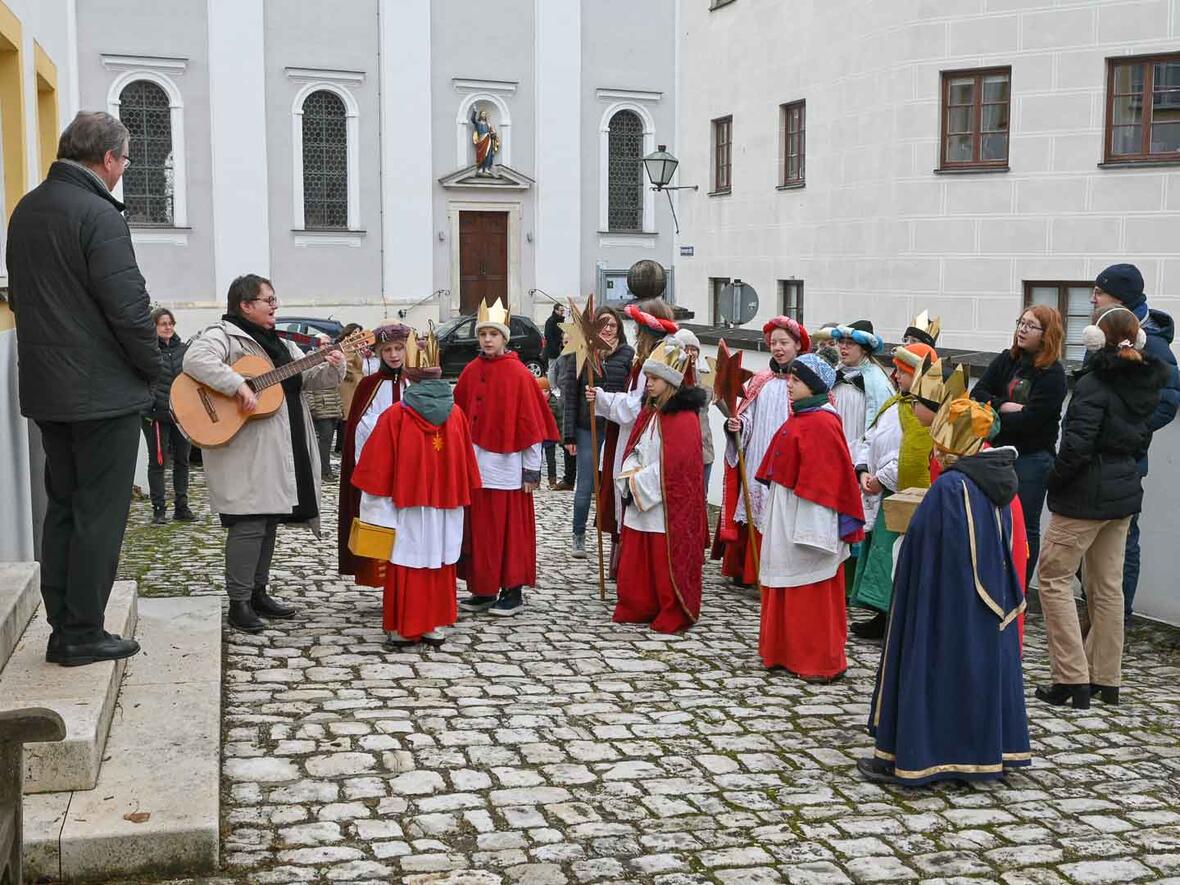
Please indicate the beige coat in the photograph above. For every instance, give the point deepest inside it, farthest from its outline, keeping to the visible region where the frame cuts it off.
(356, 371)
(255, 471)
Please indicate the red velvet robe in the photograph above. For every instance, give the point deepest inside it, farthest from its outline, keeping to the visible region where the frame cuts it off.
(659, 575)
(367, 572)
(804, 628)
(418, 464)
(508, 412)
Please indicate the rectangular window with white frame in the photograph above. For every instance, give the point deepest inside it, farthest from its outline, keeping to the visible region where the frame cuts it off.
(790, 299)
(1072, 301)
(716, 286)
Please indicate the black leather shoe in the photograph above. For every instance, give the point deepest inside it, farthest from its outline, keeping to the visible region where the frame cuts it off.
(269, 607)
(1108, 694)
(109, 648)
(241, 617)
(160, 517)
(873, 628)
(1060, 693)
(183, 514)
(876, 770)
(53, 649)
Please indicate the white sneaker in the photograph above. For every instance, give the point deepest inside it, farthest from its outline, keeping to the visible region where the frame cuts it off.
(578, 550)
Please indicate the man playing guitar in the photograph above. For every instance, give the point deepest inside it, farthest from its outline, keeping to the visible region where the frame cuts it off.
(269, 472)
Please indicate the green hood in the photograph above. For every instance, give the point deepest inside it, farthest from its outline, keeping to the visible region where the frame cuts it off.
(432, 399)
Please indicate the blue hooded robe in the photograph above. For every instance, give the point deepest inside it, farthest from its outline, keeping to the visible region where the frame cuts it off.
(949, 698)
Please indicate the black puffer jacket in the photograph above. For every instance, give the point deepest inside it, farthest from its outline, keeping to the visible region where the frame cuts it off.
(1104, 434)
(1041, 391)
(171, 365)
(85, 342)
(575, 409)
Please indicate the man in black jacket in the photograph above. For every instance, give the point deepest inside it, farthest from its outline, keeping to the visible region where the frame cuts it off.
(87, 356)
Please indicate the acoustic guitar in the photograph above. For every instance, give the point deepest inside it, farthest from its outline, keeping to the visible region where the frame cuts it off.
(211, 419)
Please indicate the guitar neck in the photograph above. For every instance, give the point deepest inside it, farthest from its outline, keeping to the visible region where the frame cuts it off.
(291, 369)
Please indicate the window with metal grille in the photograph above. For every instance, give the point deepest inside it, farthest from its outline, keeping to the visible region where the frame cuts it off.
(325, 161)
(625, 172)
(148, 181)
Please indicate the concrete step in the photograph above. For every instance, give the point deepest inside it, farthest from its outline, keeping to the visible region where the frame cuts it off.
(163, 759)
(20, 593)
(84, 696)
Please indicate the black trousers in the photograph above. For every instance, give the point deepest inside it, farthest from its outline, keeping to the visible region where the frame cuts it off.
(325, 430)
(165, 443)
(89, 469)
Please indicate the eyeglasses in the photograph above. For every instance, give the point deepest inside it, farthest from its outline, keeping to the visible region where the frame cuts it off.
(1026, 326)
(272, 300)
(126, 161)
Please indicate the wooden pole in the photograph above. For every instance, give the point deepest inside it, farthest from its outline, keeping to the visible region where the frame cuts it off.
(751, 539)
(597, 490)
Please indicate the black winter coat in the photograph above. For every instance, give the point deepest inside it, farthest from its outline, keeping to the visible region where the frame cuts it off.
(1105, 433)
(85, 342)
(1041, 391)
(575, 409)
(171, 364)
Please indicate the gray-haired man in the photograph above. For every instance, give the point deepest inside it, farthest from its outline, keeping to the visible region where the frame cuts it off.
(87, 355)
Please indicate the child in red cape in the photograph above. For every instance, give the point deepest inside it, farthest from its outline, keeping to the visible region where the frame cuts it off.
(664, 525)
(510, 419)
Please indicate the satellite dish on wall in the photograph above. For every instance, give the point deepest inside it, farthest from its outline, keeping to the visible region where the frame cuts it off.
(738, 303)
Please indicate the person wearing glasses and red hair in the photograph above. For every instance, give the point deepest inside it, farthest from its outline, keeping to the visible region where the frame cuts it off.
(1025, 384)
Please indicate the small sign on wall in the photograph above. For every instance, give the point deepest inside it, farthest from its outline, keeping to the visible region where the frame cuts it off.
(687, 251)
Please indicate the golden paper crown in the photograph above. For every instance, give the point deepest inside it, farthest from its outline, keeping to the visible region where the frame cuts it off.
(669, 360)
(963, 425)
(936, 382)
(495, 315)
(932, 326)
(422, 356)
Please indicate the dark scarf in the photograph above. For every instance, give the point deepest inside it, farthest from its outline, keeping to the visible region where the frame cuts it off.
(385, 371)
(810, 403)
(276, 349)
(778, 369)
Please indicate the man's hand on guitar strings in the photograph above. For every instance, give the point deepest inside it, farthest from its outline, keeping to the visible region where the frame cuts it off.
(247, 401)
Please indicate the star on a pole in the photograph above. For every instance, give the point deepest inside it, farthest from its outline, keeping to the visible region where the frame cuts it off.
(585, 337)
(728, 379)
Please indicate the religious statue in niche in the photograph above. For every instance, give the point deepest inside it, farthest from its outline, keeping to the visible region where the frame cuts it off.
(485, 139)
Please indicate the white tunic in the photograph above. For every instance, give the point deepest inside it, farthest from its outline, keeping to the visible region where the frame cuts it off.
(622, 408)
(427, 537)
(760, 422)
(640, 473)
(878, 450)
(802, 543)
(850, 404)
(505, 470)
(381, 401)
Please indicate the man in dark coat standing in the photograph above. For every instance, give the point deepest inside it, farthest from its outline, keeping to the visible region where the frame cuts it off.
(87, 354)
(553, 333)
(1122, 285)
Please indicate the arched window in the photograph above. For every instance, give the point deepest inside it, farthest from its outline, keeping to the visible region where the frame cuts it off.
(625, 172)
(325, 161)
(148, 183)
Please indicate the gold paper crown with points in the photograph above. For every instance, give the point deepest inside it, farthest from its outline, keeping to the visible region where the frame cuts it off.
(963, 425)
(669, 360)
(936, 382)
(423, 356)
(496, 315)
(926, 325)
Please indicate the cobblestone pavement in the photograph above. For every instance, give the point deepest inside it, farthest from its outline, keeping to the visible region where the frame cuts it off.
(559, 747)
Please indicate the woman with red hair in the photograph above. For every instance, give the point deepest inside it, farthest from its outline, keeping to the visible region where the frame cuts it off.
(1026, 386)
(765, 407)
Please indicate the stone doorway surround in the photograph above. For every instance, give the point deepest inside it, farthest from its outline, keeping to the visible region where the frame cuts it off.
(515, 212)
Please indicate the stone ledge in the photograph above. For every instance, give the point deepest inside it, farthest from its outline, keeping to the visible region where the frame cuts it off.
(20, 592)
(83, 696)
(163, 759)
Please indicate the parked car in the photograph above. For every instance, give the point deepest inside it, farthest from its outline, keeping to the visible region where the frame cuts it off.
(303, 330)
(457, 344)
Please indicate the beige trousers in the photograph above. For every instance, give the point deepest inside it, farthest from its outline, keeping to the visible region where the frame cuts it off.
(1097, 545)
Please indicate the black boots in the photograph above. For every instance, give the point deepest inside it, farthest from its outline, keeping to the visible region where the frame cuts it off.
(182, 514)
(1108, 694)
(159, 516)
(873, 628)
(269, 607)
(1059, 694)
(242, 617)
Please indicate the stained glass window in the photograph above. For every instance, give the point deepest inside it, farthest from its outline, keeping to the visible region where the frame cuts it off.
(148, 181)
(625, 172)
(325, 161)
